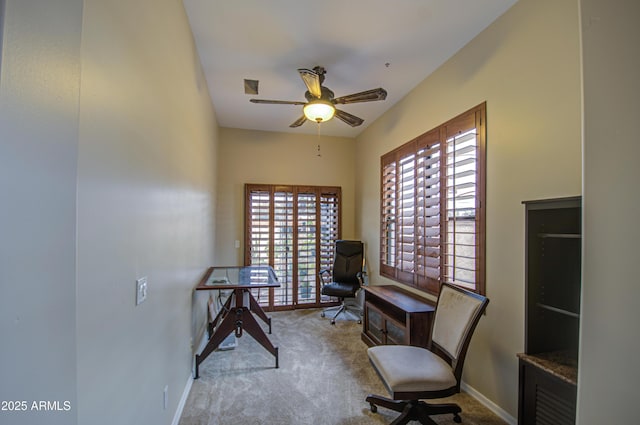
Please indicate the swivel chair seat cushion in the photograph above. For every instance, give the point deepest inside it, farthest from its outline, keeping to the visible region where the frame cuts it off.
(339, 289)
(405, 368)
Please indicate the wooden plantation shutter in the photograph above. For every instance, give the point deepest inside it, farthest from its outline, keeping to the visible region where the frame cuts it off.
(388, 222)
(330, 231)
(432, 212)
(258, 243)
(428, 212)
(405, 196)
(464, 229)
(282, 258)
(307, 243)
(259, 227)
(293, 229)
(410, 225)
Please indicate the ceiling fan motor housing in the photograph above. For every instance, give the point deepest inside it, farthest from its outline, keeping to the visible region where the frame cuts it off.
(326, 95)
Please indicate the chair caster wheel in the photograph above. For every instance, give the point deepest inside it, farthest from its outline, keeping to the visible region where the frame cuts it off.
(322, 314)
(359, 322)
(457, 419)
(374, 408)
(333, 321)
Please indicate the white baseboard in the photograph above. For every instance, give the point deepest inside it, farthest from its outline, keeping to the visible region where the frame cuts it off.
(183, 401)
(489, 404)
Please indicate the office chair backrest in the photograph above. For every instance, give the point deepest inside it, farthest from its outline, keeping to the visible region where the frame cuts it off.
(347, 262)
(457, 314)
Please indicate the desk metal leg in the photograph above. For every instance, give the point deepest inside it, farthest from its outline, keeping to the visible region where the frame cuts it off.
(226, 327)
(253, 328)
(224, 310)
(238, 319)
(255, 307)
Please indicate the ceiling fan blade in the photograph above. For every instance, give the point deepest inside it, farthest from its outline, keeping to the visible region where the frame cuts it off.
(352, 120)
(277, 102)
(364, 96)
(312, 81)
(298, 122)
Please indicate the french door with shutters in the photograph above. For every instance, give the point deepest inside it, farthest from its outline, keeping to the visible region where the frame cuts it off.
(293, 229)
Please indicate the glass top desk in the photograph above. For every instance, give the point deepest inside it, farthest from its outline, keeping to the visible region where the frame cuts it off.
(236, 314)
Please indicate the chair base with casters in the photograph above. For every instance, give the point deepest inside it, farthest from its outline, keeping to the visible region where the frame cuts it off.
(414, 410)
(343, 308)
(412, 374)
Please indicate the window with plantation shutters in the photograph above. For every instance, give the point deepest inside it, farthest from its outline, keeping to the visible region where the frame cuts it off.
(293, 229)
(432, 206)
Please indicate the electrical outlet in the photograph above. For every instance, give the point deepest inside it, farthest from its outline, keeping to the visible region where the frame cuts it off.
(141, 290)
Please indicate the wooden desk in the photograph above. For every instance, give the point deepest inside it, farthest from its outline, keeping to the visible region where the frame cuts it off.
(395, 316)
(236, 315)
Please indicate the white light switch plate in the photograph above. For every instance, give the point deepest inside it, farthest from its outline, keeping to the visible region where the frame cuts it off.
(141, 290)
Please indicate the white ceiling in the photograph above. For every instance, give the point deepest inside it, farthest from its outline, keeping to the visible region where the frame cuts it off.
(363, 44)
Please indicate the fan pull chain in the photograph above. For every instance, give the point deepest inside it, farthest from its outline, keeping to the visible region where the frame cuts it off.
(319, 154)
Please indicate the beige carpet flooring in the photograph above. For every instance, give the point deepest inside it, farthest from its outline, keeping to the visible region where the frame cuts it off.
(323, 379)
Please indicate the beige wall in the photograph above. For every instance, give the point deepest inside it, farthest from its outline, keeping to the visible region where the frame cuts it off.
(146, 207)
(107, 153)
(609, 373)
(39, 91)
(526, 67)
(276, 158)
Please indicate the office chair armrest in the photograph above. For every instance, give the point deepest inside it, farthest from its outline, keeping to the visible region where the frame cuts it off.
(321, 275)
(360, 277)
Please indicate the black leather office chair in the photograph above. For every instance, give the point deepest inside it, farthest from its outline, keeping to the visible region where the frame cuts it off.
(346, 277)
(413, 373)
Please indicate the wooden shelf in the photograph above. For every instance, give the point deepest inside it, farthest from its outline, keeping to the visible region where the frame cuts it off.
(548, 368)
(560, 235)
(559, 310)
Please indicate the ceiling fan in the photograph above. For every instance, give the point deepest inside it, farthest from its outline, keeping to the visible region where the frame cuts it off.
(320, 105)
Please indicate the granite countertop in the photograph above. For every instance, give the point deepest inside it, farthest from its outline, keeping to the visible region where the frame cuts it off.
(561, 364)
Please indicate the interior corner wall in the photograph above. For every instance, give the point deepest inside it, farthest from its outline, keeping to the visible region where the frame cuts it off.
(145, 208)
(248, 156)
(608, 366)
(526, 66)
(39, 90)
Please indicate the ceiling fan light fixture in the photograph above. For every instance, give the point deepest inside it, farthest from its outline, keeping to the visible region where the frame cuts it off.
(319, 110)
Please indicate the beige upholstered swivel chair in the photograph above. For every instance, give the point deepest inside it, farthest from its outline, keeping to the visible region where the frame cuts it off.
(414, 373)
